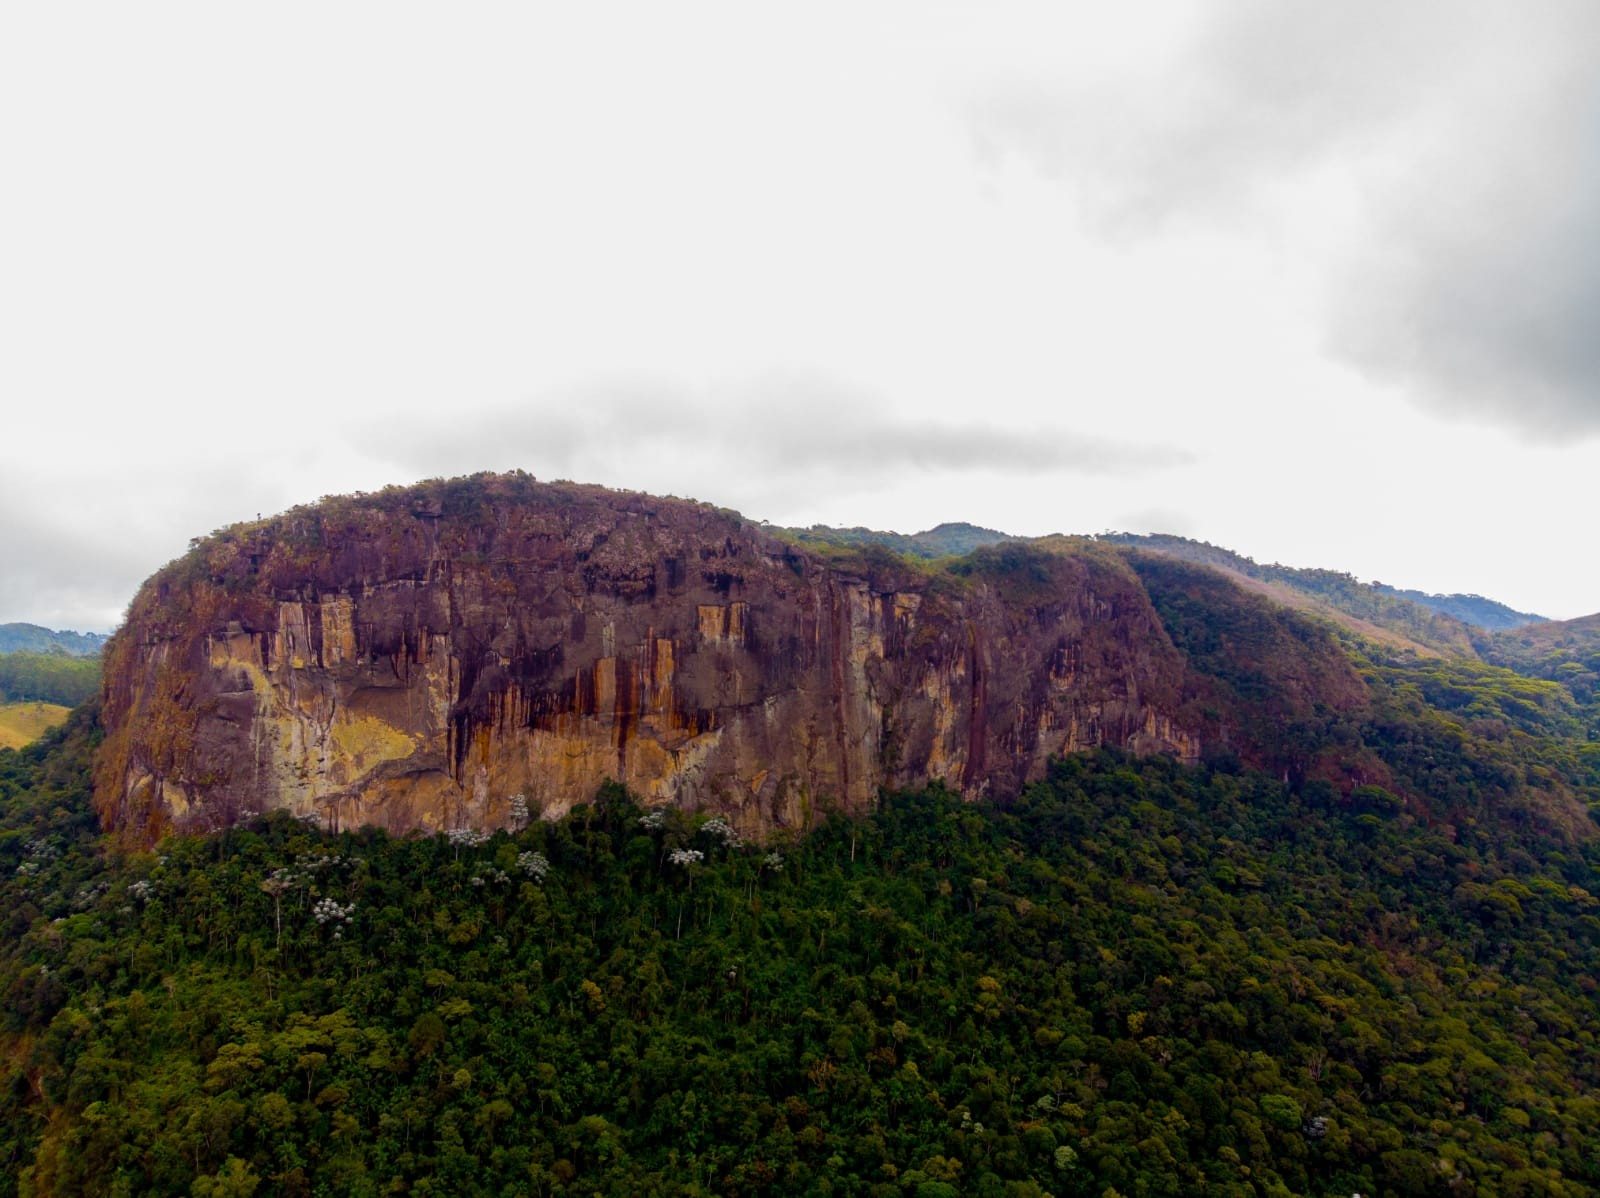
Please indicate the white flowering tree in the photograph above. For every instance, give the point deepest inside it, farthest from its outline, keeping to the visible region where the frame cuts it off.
(466, 838)
(520, 816)
(330, 912)
(534, 865)
(722, 832)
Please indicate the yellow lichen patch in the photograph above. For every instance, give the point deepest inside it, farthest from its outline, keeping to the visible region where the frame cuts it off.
(661, 670)
(722, 625)
(1161, 734)
(566, 764)
(711, 621)
(238, 653)
(338, 630)
(605, 685)
(236, 648)
(651, 769)
(174, 799)
(291, 642)
(365, 741)
(946, 750)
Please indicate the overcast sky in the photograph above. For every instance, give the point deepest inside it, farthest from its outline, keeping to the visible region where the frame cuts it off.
(1318, 282)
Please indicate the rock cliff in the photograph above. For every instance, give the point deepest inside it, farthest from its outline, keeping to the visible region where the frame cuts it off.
(415, 658)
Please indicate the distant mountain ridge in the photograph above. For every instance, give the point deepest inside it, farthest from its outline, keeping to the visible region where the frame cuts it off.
(1469, 609)
(943, 540)
(1344, 591)
(1359, 607)
(1411, 613)
(414, 658)
(31, 638)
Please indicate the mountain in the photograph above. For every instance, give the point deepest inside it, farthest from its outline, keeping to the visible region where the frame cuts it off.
(1566, 652)
(1469, 609)
(1180, 880)
(30, 638)
(1366, 610)
(427, 657)
(416, 658)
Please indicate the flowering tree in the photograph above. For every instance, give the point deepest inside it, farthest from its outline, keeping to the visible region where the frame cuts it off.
(536, 865)
(722, 831)
(469, 838)
(331, 911)
(519, 812)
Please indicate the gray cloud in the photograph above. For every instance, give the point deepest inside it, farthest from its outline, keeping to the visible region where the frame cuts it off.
(1485, 302)
(79, 567)
(795, 428)
(65, 577)
(755, 446)
(1156, 520)
(1469, 131)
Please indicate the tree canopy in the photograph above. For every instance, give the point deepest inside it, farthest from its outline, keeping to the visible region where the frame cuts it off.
(1138, 978)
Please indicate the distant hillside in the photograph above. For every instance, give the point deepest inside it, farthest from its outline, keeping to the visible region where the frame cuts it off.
(1414, 621)
(1377, 614)
(1062, 867)
(944, 540)
(1564, 651)
(1469, 609)
(30, 638)
(48, 677)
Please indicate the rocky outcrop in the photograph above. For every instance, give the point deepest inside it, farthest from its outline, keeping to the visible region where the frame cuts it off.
(415, 658)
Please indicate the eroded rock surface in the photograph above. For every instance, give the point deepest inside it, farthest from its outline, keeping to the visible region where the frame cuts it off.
(413, 659)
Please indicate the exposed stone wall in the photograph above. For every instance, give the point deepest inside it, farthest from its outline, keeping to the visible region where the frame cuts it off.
(412, 662)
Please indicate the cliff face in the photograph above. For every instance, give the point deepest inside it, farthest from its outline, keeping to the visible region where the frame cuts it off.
(415, 658)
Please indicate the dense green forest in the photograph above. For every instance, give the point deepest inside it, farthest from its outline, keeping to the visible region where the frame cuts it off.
(48, 678)
(1137, 979)
(1367, 966)
(1566, 653)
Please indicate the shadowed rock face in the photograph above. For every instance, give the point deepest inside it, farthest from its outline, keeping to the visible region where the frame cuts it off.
(413, 659)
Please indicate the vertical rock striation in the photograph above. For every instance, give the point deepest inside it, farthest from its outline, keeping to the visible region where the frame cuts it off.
(412, 659)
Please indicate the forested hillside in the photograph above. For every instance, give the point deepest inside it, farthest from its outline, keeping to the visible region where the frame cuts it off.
(38, 689)
(1469, 609)
(48, 678)
(1137, 979)
(31, 638)
(1351, 948)
(1369, 609)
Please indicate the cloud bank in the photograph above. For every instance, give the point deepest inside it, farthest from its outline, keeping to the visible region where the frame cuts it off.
(1458, 141)
(789, 432)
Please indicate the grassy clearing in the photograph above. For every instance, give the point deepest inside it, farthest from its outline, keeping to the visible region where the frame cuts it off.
(24, 723)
